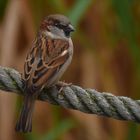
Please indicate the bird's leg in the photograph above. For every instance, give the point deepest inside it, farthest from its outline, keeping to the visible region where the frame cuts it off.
(61, 85)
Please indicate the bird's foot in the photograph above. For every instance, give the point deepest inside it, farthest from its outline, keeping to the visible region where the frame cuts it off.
(61, 85)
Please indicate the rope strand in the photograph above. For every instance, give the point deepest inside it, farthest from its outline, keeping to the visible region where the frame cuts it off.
(74, 97)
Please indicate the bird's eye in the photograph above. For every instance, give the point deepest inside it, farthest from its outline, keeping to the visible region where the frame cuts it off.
(67, 33)
(64, 28)
(56, 24)
(60, 26)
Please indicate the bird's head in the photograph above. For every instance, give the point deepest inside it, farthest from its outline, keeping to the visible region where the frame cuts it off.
(56, 26)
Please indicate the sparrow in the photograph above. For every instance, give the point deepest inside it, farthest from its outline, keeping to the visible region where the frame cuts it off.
(45, 63)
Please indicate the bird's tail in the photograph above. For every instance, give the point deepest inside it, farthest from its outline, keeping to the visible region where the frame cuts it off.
(24, 124)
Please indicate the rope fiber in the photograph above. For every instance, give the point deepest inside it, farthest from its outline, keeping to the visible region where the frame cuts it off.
(74, 97)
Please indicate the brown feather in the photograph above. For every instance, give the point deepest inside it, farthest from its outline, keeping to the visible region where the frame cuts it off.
(44, 65)
(43, 68)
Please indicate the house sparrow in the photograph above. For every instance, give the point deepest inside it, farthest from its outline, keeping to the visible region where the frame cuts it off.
(45, 63)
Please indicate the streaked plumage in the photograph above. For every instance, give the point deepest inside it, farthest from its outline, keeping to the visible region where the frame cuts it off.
(46, 61)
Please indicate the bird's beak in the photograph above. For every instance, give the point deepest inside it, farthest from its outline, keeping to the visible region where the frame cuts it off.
(71, 28)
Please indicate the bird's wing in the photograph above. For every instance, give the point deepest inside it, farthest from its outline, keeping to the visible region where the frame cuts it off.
(43, 61)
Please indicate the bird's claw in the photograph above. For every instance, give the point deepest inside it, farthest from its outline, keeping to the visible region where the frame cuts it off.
(61, 85)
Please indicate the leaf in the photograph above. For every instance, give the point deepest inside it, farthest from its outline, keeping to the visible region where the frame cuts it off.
(128, 28)
(132, 132)
(59, 130)
(58, 5)
(78, 10)
(124, 11)
(31, 136)
(3, 4)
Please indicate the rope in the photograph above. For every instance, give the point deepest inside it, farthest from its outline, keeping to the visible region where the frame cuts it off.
(74, 97)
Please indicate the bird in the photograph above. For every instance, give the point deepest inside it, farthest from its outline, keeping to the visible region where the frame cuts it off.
(46, 61)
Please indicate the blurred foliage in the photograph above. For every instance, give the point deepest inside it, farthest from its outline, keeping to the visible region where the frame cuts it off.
(59, 130)
(127, 26)
(3, 4)
(78, 10)
(116, 21)
(59, 6)
(132, 132)
(55, 133)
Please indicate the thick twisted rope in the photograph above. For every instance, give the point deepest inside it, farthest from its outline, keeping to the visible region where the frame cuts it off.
(74, 97)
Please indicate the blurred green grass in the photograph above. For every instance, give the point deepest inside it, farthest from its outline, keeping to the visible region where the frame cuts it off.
(55, 133)
(127, 29)
(3, 4)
